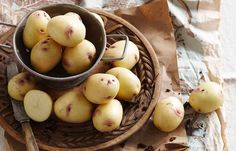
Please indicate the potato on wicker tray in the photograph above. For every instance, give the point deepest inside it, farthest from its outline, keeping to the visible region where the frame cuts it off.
(73, 107)
(20, 84)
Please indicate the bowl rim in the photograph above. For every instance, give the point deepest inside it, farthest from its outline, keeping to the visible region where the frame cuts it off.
(156, 94)
(46, 77)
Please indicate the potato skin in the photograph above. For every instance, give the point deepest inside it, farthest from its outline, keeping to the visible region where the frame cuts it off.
(168, 114)
(130, 84)
(20, 84)
(99, 18)
(79, 58)
(207, 97)
(108, 117)
(66, 30)
(45, 55)
(35, 28)
(38, 105)
(74, 15)
(73, 107)
(131, 55)
(101, 88)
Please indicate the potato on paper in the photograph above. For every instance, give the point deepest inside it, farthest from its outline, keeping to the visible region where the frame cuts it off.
(45, 55)
(79, 58)
(73, 107)
(101, 88)
(35, 28)
(38, 105)
(131, 56)
(20, 84)
(168, 114)
(107, 117)
(130, 84)
(207, 97)
(66, 30)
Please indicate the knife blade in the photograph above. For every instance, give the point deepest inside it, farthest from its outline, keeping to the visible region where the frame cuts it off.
(18, 108)
(19, 113)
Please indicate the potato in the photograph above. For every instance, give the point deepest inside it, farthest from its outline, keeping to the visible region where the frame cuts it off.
(79, 58)
(168, 114)
(38, 105)
(20, 84)
(131, 55)
(130, 84)
(74, 15)
(35, 28)
(207, 97)
(101, 88)
(99, 18)
(107, 117)
(45, 55)
(73, 107)
(66, 30)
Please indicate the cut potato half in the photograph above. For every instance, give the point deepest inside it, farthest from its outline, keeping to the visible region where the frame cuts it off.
(38, 105)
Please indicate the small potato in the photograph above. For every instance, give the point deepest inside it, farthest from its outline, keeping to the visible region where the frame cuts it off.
(45, 55)
(73, 107)
(107, 117)
(168, 114)
(20, 84)
(79, 58)
(38, 105)
(35, 28)
(101, 88)
(99, 18)
(131, 56)
(66, 30)
(130, 84)
(207, 97)
(74, 15)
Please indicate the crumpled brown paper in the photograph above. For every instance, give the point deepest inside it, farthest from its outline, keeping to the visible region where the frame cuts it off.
(153, 20)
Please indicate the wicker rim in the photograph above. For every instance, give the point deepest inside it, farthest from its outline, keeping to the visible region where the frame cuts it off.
(13, 133)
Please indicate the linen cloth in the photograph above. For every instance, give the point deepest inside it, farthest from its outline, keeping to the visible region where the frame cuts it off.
(198, 55)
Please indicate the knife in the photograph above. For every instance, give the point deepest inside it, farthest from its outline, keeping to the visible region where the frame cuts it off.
(20, 115)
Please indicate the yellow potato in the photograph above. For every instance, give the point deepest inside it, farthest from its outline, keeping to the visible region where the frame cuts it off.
(66, 30)
(79, 58)
(168, 114)
(207, 97)
(107, 117)
(131, 56)
(101, 88)
(75, 15)
(130, 84)
(20, 84)
(38, 105)
(73, 107)
(99, 18)
(45, 55)
(35, 28)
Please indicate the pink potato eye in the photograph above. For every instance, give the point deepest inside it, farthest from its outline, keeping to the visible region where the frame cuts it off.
(68, 32)
(108, 123)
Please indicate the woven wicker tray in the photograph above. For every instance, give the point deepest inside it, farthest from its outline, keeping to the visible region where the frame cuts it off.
(57, 135)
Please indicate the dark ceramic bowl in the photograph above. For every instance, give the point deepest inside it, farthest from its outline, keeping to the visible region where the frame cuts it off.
(58, 78)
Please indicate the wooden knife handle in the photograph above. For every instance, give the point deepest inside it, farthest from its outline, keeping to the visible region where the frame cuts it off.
(31, 144)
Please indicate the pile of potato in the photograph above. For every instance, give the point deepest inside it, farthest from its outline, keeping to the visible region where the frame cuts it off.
(60, 39)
